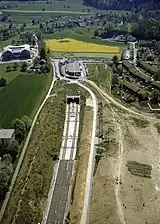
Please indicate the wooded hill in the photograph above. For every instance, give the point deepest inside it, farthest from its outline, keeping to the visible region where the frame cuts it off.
(124, 4)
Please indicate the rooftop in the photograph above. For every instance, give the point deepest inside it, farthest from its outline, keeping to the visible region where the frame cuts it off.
(73, 67)
(16, 49)
(6, 133)
(134, 88)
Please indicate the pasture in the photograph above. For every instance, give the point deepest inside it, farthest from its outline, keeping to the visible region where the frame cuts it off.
(21, 97)
(9, 76)
(71, 45)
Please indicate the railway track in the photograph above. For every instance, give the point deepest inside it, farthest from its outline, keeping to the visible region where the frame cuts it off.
(59, 202)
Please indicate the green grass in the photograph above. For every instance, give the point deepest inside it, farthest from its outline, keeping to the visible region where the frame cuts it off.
(100, 75)
(21, 97)
(82, 34)
(39, 159)
(44, 12)
(83, 55)
(9, 76)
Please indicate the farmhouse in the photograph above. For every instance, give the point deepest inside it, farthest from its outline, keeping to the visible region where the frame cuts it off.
(6, 135)
(16, 52)
(135, 73)
(140, 93)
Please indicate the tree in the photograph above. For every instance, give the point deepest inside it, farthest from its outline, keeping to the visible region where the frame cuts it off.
(155, 96)
(157, 75)
(24, 67)
(46, 69)
(20, 129)
(3, 82)
(115, 79)
(6, 171)
(8, 68)
(42, 53)
(15, 66)
(43, 9)
(27, 121)
(96, 33)
(7, 159)
(115, 60)
(10, 147)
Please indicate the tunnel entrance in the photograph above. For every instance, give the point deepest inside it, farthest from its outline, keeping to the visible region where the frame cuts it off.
(72, 99)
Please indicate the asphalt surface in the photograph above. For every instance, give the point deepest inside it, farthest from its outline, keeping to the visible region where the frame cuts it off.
(60, 194)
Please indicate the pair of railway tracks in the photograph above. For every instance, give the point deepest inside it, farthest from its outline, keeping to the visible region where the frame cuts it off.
(59, 202)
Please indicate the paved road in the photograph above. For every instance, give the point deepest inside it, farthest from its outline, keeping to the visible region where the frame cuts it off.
(23, 152)
(85, 211)
(60, 194)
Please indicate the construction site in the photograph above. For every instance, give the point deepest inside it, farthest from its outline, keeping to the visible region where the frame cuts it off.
(126, 182)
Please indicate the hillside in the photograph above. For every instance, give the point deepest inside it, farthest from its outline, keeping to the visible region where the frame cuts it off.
(123, 4)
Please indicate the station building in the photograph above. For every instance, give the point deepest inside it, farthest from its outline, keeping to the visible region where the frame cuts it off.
(71, 70)
(16, 53)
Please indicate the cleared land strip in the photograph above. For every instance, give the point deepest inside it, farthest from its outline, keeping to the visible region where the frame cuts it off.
(58, 206)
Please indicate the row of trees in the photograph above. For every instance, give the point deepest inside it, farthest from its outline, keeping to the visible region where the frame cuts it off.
(23, 67)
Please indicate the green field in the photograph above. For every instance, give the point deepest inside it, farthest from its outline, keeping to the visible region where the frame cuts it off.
(21, 97)
(100, 75)
(44, 12)
(81, 34)
(9, 76)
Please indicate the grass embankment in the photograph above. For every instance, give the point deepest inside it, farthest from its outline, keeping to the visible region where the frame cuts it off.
(71, 45)
(22, 96)
(100, 75)
(82, 166)
(33, 182)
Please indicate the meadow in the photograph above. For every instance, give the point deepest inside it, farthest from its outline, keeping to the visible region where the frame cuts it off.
(21, 97)
(71, 45)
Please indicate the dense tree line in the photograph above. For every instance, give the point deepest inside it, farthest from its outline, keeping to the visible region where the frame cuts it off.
(147, 29)
(123, 4)
(9, 151)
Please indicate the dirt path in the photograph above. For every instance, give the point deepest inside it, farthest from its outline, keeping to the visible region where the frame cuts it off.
(119, 105)
(119, 164)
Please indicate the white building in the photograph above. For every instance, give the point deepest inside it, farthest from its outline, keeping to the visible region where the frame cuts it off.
(16, 52)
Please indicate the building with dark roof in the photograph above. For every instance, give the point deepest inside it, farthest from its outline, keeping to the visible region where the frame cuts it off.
(152, 70)
(140, 93)
(156, 85)
(134, 72)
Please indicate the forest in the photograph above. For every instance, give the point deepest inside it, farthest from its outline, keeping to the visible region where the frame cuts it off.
(138, 5)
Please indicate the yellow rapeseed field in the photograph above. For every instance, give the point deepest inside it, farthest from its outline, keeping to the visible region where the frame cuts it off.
(71, 45)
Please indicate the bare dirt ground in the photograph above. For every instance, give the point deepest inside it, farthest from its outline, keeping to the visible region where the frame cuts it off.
(83, 156)
(126, 186)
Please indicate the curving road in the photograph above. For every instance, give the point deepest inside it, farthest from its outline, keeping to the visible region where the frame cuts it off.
(85, 211)
(23, 152)
(108, 97)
